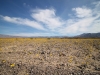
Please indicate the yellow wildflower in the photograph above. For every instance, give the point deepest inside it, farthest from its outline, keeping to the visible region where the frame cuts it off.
(12, 65)
(3, 61)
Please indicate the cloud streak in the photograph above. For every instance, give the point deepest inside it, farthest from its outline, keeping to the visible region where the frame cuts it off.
(22, 21)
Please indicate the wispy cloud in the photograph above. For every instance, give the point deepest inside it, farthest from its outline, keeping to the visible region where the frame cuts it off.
(85, 20)
(82, 12)
(80, 25)
(22, 21)
(26, 5)
(47, 17)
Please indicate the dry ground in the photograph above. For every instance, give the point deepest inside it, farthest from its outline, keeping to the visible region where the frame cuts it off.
(49, 56)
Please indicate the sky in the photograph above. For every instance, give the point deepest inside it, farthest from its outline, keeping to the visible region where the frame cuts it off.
(49, 17)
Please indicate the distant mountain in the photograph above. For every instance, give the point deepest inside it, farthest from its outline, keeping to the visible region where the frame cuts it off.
(89, 35)
(7, 36)
(2, 35)
(84, 35)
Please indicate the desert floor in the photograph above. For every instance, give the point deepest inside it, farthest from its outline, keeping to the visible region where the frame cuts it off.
(49, 56)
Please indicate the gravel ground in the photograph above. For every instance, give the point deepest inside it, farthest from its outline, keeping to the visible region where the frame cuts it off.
(44, 56)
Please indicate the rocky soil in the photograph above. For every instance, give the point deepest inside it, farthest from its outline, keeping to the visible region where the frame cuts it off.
(45, 56)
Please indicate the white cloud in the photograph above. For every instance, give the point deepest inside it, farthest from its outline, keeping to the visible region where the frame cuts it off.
(82, 12)
(21, 21)
(95, 27)
(43, 17)
(85, 20)
(80, 25)
(47, 17)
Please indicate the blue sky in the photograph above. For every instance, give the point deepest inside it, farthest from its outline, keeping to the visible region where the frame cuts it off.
(49, 17)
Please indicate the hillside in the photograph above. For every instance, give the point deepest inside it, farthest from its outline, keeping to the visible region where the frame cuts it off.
(89, 35)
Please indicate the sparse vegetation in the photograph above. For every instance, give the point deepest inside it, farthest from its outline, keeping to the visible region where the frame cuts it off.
(49, 56)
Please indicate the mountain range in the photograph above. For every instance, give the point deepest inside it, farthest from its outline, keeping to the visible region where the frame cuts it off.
(84, 35)
(89, 35)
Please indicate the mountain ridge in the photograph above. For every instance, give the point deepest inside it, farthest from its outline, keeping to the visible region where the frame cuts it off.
(84, 35)
(89, 35)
